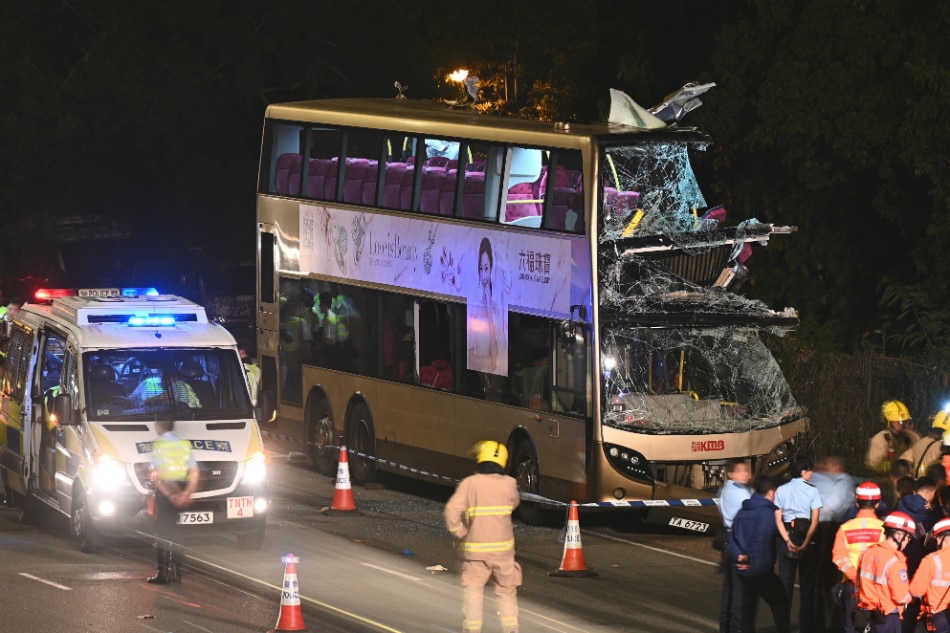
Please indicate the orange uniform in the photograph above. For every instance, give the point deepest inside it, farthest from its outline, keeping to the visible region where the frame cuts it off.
(932, 580)
(882, 580)
(853, 538)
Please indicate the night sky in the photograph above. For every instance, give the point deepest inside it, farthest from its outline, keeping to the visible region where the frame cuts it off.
(142, 120)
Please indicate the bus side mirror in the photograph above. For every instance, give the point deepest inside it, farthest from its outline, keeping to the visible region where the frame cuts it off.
(63, 410)
(266, 411)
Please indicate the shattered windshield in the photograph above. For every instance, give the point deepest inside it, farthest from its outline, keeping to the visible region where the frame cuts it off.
(685, 381)
(137, 384)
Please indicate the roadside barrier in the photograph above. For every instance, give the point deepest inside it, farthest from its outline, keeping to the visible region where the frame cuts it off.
(343, 502)
(525, 496)
(291, 616)
(573, 564)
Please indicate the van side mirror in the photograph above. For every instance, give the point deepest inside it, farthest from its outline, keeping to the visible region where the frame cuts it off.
(267, 410)
(63, 410)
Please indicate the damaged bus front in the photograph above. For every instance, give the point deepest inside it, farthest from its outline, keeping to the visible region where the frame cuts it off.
(687, 379)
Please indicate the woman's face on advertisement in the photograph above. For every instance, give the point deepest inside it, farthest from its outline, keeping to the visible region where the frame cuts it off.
(484, 271)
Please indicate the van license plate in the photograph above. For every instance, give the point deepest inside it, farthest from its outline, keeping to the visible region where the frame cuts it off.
(686, 524)
(195, 518)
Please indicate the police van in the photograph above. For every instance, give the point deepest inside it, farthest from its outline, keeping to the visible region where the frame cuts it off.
(84, 379)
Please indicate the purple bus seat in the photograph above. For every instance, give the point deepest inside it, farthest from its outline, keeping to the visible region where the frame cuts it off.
(353, 179)
(368, 188)
(287, 164)
(522, 202)
(431, 187)
(405, 191)
(317, 176)
(395, 172)
(473, 195)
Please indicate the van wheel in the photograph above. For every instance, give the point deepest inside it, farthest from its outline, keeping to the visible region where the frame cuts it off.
(252, 540)
(83, 531)
(361, 439)
(524, 468)
(323, 458)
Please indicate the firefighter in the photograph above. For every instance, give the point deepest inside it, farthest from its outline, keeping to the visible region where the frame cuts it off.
(851, 540)
(176, 479)
(479, 515)
(932, 580)
(927, 450)
(883, 588)
(889, 444)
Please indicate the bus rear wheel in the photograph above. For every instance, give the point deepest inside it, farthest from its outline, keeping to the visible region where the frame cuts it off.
(323, 458)
(524, 468)
(360, 439)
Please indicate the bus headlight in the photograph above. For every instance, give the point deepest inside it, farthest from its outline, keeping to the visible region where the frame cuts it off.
(628, 461)
(255, 470)
(108, 473)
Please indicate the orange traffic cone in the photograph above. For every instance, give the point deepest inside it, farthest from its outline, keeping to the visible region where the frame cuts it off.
(343, 502)
(572, 563)
(290, 618)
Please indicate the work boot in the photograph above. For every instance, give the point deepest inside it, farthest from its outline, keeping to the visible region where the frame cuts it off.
(160, 577)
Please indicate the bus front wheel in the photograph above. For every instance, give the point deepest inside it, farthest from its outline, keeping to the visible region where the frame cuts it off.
(524, 468)
(360, 440)
(323, 457)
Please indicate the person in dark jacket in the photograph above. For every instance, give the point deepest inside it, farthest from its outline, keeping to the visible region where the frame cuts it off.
(752, 545)
(918, 506)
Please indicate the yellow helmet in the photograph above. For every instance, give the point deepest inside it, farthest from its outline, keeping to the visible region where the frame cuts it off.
(491, 451)
(941, 420)
(894, 411)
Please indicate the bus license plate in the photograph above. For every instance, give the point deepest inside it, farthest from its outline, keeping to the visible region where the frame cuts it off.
(195, 518)
(686, 524)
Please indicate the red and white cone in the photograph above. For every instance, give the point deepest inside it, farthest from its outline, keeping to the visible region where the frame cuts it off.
(291, 617)
(343, 502)
(572, 563)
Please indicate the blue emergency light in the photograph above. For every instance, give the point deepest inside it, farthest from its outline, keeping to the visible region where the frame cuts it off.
(151, 321)
(139, 292)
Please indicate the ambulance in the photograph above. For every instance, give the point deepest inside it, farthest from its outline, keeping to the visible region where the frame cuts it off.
(85, 376)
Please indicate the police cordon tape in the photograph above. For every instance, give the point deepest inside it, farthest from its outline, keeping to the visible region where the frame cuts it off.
(525, 496)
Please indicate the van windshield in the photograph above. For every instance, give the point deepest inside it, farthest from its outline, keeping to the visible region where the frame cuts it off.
(136, 384)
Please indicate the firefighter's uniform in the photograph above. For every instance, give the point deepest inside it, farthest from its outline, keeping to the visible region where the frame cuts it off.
(479, 515)
(883, 587)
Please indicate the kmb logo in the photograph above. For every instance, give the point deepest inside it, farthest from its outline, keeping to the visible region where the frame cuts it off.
(713, 445)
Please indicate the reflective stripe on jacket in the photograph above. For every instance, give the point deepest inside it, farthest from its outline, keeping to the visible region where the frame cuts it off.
(170, 459)
(882, 580)
(853, 538)
(932, 580)
(479, 514)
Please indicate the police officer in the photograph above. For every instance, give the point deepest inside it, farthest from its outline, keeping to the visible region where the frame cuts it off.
(883, 589)
(889, 444)
(176, 479)
(799, 505)
(852, 539)
(932, 580)
(479, 515)
(251, 369)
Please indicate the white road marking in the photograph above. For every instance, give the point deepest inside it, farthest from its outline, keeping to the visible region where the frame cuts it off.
(198, 627)
(46, 582)
(391, 571)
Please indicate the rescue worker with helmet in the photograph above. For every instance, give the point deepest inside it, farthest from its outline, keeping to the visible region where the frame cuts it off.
(479, 515)
(852, 539)
(883, 586)
(176, 479)
(927, 449)
(888, 445)
(931, 583)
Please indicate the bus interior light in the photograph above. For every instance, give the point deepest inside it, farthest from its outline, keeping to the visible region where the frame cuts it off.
(151, 321)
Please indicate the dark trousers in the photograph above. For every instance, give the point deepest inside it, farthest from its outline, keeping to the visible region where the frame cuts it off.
(806, 564)
(891, 624)
(849, 600)
(828, 617)
(730, 602)
(166, 526)
(941, 622)
(769, 588)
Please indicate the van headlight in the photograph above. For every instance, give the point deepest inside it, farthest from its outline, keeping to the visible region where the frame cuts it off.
(108, 473)
(255, 470)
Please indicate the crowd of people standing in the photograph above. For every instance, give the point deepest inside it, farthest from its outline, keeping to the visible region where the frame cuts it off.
(868, 553)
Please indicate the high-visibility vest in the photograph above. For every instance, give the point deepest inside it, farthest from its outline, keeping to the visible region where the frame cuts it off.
(854, 537)
(253, 379)
(170, 459)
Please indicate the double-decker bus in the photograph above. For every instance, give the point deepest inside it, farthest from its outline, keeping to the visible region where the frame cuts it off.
(431, 276)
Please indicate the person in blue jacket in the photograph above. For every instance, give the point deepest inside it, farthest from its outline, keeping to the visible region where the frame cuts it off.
(752, 545)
